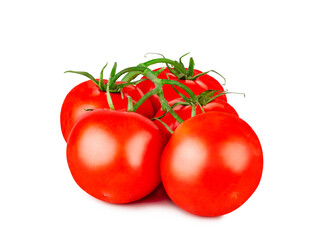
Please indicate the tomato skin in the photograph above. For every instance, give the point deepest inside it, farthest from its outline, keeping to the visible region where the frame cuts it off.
(212, 164)
(199, 85)
(185, 113)
(115, 156)
(87, 95)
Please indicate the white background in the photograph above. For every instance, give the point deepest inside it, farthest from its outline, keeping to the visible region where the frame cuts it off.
(270, 50)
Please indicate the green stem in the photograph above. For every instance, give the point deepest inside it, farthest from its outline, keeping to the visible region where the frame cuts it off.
(109, 98)
(122, 85)
(159, 88)
(202, 109)
(144, 98)
(113, 70)
(203, 73)
(223, 93)
(101, 84)
(181, 103)
(169, 109)
(132, 75)
(185, 88)
(165, 125)
(130, 105)
(193, 114)
(165, 60)
(126, 70)
(86, 74)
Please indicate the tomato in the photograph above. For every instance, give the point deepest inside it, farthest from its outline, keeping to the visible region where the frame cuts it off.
(185, 113)
(199, 85)
(115, 156)
(88, 96)
(212, 164)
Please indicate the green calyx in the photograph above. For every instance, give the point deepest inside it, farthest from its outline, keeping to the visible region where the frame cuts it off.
(179, 70)
(202, 99)
(188, 74)
(208, 96)
(99, 83)
(111, 85)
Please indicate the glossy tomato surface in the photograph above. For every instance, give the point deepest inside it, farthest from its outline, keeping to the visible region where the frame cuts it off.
(185, 113)
(115, 156)
(88, 96)
(212, 164)
(199, 85)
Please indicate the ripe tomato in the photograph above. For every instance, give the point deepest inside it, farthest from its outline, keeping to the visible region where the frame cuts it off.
(212, 164)
(88, 96)
(115, 156)
(199, 85)
(185, 113)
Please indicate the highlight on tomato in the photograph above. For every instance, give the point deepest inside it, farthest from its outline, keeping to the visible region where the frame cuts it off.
(115, 156)
(212, 164)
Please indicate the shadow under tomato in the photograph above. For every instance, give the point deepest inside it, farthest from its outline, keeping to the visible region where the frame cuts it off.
(159, 195)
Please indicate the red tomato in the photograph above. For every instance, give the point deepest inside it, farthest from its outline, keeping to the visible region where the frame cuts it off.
(115, 156)
(88, 96)
(199, 85)
(185, 113)
(212, 164)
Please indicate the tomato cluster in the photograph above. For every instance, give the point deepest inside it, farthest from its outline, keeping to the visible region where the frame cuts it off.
(174, 125)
